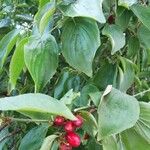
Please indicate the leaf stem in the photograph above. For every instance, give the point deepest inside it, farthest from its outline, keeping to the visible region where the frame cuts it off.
(141, 93)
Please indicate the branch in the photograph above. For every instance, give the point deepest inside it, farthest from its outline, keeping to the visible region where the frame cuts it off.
(142, 93)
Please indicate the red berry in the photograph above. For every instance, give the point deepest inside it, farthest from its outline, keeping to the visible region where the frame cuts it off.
(59, 120)
(73, 139)
(79, 122)
(65, 146)
(111, 19)
(69, 127)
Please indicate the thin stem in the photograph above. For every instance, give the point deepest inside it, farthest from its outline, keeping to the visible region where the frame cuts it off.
(84, 107)
(26, 120)
(141, 93)
(54, 28)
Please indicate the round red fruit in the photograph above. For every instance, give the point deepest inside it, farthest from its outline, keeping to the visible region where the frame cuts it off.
(65, 146)
(78, 122)
(69, 127)
(59, 120)
(73, 139)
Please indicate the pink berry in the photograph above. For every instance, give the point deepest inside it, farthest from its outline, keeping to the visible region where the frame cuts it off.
(79, 122)
(59, 120)
(69, 127)
(73, 139)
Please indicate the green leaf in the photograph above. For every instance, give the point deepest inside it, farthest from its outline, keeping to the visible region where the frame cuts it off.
(43, 2)
(6, 45)
(36, 106)
(79, 54)
(105, 75)
(143, 35)
(116, 36)
(131, 139)
(90, 124)
(34, 138)
(127, 140)
(81, 8)
(41, 58)
(86, 97)
(95, 96)
(115, 108)
(44, 22)
(110, 143)
(60, 86)
(47, 143)
(127, 3)
(44, 17)
(68, 79)
(17, 62)
(142, 13)
(55, 145)
(122, 17)
(69, 97)
(133, 49)
(126, 74)
(143, 125)
(93, 144)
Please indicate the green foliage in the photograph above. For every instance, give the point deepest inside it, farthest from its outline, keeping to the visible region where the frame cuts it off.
(44, 63)
(34, 138)
(75, 57)
(17, 62)
(82, 54)
(116, 36)
(114, 108)
(35, 105)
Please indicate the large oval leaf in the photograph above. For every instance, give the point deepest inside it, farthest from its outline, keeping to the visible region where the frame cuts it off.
(82, 8)
(80, 40)
(17, 62)
(41, 58)
(116, 112)
(34, 105)
(34, 138)
(116, 36)
(142, 13)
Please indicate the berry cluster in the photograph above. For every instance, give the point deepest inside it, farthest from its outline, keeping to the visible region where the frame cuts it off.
(71, 139)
